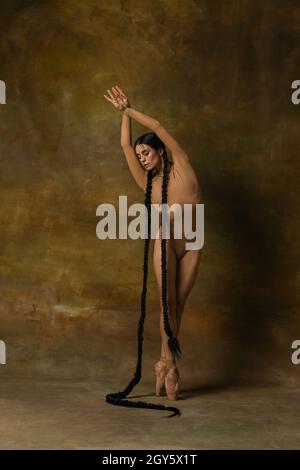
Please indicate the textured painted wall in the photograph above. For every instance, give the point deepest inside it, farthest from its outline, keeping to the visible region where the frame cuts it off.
(216, 74)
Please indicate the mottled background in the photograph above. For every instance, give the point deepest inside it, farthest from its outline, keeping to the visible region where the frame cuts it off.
(218, 75)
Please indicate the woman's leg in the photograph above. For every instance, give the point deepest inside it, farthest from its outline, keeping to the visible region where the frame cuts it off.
(171, 292)
(186, 274)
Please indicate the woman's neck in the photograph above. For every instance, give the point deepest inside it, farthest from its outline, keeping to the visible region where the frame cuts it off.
(160, 170)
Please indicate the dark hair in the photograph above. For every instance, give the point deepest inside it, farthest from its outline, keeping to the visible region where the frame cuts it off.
(153, 141)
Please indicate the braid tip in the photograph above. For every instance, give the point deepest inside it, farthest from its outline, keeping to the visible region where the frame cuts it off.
(176, 411)
(174, 347)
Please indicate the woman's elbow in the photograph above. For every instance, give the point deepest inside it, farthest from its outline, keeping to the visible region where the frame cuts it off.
(156, 125)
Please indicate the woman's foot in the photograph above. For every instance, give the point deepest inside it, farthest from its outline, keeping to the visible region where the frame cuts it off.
(172, 381)
(161, 370)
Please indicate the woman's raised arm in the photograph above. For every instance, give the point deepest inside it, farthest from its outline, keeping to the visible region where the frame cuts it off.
(120, 102)
(178, 154)
(126, 137)
(138, 173)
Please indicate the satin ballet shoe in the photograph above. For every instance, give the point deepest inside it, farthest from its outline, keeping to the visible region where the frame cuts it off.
(172, 383)
(161, 371)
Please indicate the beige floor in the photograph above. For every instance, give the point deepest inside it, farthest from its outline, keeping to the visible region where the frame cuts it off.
(39, 412)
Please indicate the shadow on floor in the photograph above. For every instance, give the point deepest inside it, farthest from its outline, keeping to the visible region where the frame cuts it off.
(213, 387)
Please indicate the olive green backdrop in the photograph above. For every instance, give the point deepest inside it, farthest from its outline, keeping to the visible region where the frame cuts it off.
(218, 75)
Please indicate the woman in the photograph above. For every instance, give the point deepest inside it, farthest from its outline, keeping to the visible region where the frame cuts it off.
(175, 267)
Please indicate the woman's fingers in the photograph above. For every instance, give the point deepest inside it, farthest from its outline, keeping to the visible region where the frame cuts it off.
(121, 92)
(115, 102)
(117, 97)
(111, 95)
(116, 92)
(108, 99)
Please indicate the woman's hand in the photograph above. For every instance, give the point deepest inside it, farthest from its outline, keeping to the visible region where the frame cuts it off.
(118, 98)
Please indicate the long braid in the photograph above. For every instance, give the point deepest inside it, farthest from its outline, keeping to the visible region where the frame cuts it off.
(172, 341)
(118, 398)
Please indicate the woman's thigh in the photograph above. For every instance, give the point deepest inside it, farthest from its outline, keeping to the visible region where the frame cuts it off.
(186, 274)
(171, 265)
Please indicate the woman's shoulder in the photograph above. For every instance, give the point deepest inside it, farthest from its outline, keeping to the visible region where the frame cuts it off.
(183, 168)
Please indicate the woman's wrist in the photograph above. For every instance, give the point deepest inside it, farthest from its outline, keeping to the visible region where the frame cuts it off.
(127, 110)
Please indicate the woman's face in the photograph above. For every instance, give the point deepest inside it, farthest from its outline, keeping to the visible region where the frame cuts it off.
(148, 156)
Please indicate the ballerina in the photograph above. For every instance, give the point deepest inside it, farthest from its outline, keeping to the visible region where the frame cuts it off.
(175, 266)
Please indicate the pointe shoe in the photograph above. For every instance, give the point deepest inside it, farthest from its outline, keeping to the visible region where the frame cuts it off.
(172, 383)
(161, 371)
